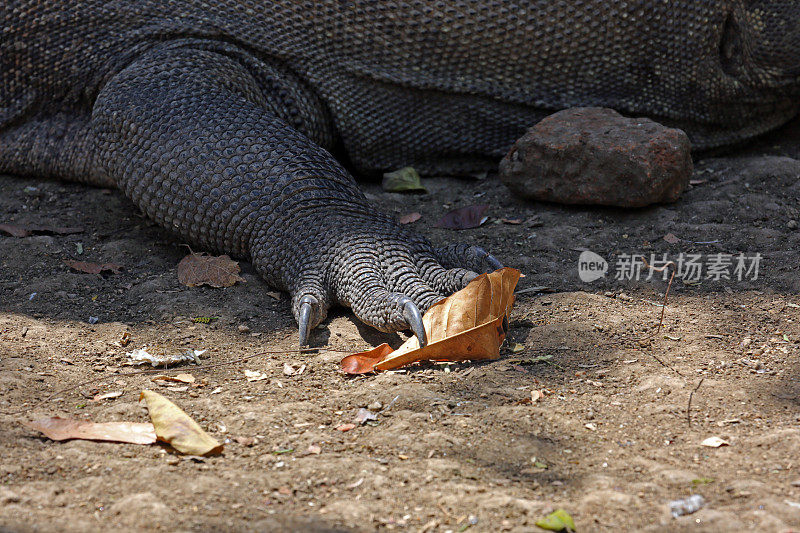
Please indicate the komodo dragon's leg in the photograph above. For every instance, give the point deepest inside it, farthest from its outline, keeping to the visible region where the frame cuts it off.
(190, 137)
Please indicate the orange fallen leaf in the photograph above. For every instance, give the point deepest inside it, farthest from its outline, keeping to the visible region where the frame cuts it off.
(468, 325)
(176, 428)
(92, 268)
(57, 428)
(202, 269)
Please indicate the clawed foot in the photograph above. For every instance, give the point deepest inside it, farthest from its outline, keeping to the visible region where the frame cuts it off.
(389, 280)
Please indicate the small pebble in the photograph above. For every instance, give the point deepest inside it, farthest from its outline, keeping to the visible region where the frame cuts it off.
(792, 224)
(244, 328)
(375, 406)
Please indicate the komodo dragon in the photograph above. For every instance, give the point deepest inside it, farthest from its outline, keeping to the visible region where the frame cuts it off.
(232, 122)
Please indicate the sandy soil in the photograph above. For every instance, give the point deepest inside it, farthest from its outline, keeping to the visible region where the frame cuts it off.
(454, 447)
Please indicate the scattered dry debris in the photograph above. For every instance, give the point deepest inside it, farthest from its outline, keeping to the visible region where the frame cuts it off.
(203, 269)
(141, 356)
(93, 268)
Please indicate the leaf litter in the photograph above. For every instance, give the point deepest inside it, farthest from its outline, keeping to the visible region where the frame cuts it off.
(468, 217)
(409, 218)
(558, 520)
(203, 269)
(173, 426)
(141, 356)
(468, 325)
(57, 428)
(93, 268)
(403, 180)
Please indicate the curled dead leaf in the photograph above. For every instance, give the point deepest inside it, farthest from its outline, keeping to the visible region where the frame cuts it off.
(176, 428)
(202, 269)
(57, 428)
(468, 325)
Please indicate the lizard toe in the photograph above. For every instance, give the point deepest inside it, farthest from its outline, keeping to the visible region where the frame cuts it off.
(469, 257)
(310, 307)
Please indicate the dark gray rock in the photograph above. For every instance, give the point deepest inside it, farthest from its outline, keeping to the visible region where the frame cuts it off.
(592, 155)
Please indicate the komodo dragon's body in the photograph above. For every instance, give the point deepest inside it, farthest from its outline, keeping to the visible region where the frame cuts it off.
(218, 118)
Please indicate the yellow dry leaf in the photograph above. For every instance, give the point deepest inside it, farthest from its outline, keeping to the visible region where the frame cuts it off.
(176, 428)
(468, 325)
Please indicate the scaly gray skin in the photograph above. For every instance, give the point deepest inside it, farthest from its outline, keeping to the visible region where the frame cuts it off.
(219, 119)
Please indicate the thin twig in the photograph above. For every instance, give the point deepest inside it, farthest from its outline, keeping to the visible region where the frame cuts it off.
(661, 319)
(689, 405)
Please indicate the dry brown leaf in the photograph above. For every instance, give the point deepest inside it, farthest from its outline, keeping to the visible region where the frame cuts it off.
(57, 428)
(15, 231)
(176, 428)
(468, 325)
(125, 339)
(92, 268)
(409, 218)
(202, 269)
(468, 217)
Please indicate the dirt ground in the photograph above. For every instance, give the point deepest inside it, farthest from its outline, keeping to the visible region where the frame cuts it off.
(454, 447)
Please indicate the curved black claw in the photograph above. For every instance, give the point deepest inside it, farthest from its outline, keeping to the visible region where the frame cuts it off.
(489, 258)
(307, 304)
(414, 318)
